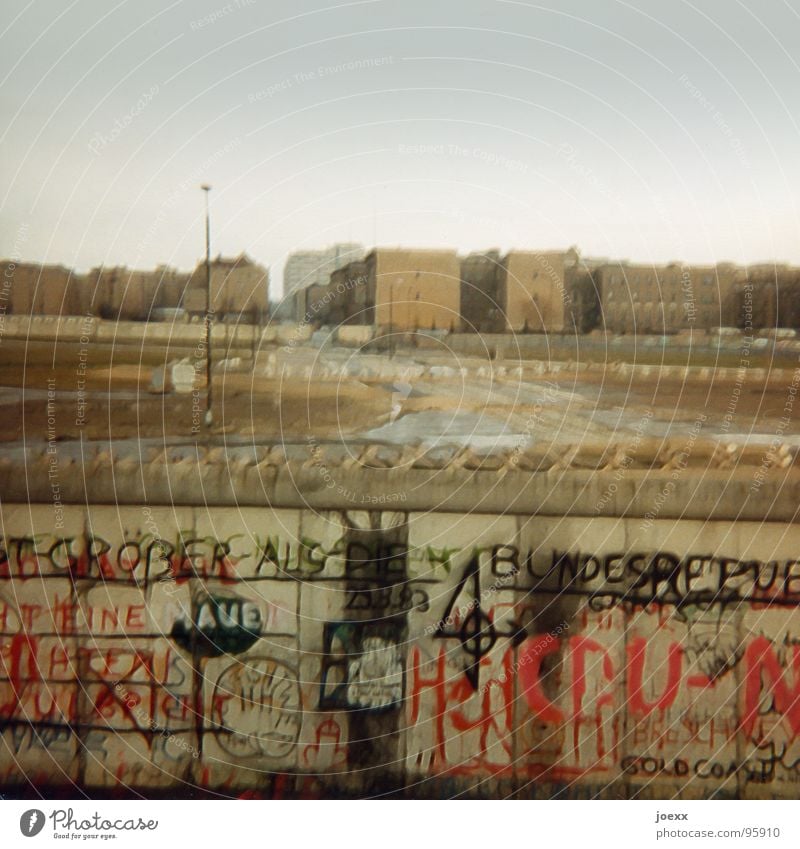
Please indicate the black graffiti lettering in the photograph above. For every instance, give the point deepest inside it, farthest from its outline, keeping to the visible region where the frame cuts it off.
(791, 581)
(582, 568)
(163, 554)
(730, 571)
(269, 555)
(392, 599)
(665, 571)
(22, 547)
(129, 556)
(640, 572)
(660, 577)
(614, 568)
(759, 771)
(647, 766)
(379, 561)
(505, 554)
(313, 554)
(765, 575)
(220, 555)
(96, 547)
(66, 560)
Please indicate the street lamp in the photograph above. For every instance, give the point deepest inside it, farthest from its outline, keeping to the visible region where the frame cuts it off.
(391, 323)
(206, 189)
(391, 316)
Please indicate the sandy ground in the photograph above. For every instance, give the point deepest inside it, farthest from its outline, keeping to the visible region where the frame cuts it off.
(339, 395)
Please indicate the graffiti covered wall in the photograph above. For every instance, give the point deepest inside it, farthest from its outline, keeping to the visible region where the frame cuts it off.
(288, 652)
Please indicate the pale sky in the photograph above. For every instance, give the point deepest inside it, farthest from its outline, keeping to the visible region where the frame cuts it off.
(648, 130)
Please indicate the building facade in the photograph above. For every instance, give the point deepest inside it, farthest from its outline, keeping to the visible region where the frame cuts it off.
(415, 289)
(666, 299)
(481, 310)
(533, 292)
(767, 297)
(407, 290)
(239, 289)
(314, 268)
(34, 289)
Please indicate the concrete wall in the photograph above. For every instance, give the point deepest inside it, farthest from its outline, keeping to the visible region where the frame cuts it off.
(376, 649)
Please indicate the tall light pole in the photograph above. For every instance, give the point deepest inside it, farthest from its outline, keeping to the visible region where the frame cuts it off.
(391, 323)
(206, 189)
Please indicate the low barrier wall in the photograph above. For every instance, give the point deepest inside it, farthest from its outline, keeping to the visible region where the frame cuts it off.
(238, 638)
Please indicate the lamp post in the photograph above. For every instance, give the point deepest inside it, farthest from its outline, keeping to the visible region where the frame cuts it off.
(391, 323)
(209, 418)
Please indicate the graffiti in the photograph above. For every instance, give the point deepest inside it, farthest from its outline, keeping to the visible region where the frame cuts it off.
(375, 677)
(145, 558)
(392, 599)
(665, 578)
(328, 750)
(464, 732)
(133, 703)
(376, 560)
(362, 668)
(712, 641)
(256, 709)
(24, 737)
(754, 770)
(219, 624)
(761, 766)
(274, 556)
(761, 662)
(539, 647)
(266, 660)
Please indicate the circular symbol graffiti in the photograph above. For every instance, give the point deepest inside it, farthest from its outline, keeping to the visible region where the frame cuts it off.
(256, 709)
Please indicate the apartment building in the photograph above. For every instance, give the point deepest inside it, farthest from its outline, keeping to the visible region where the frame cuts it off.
(666, 299)
(414, 289)
(314, 267)
(239, 289)
(533, 290)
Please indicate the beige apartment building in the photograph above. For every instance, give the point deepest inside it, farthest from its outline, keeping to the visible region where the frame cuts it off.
(533, 290)
(239, 288)
(767, 297)
(33, 289)
(667, 299)
(122, 293)
(415, 289)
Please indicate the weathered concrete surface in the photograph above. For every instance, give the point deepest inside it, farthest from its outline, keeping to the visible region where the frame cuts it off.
(655, 477)
(240, 626)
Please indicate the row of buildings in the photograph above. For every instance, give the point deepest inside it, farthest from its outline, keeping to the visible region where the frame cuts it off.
(407, 290)
(536, 292)
(239, 291)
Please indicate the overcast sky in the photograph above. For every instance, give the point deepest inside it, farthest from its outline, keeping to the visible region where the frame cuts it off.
(648, 130)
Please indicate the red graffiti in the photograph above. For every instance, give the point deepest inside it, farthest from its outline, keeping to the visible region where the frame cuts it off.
(456, 709)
